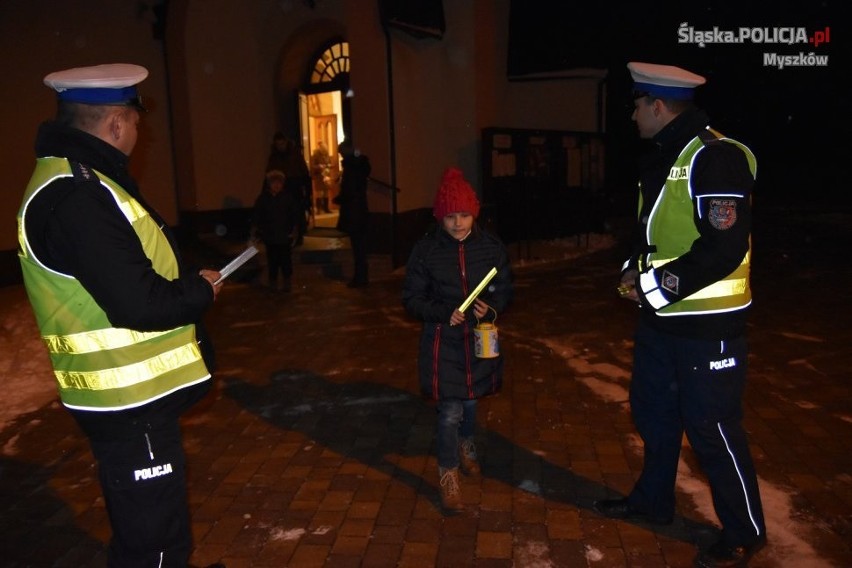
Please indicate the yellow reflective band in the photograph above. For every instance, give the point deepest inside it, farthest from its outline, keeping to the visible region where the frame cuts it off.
(22, 243)
(98, 340)
(720, 289)
(128, 375)
(657, 262)
(132, 210)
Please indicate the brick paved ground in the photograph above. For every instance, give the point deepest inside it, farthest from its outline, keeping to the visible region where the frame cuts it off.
(315, 450)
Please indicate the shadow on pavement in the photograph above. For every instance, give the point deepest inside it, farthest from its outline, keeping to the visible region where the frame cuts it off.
(39, 526)
(373, 424)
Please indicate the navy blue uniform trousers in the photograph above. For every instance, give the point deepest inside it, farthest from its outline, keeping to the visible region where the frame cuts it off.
(694, 386)
(143, 478)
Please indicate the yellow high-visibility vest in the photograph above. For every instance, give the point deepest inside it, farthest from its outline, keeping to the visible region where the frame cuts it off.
(97, 366)
(671, 231)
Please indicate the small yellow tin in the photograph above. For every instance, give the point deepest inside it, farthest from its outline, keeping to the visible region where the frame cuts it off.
(486, 343)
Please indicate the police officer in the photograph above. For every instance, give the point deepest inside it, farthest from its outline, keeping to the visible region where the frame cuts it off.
(119, 313)
(689, 273)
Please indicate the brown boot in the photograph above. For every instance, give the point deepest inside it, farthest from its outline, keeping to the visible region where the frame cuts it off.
(467, 457)
(451, 500)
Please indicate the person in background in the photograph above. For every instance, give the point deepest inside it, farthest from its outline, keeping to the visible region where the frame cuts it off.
(354, 216)
(689, 275)
(445, 266)
(118, 310)
(286, 156)
(321, 172)
(278, 152)
(276, 223)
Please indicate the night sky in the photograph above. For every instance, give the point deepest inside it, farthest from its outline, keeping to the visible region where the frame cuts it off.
(791, 118)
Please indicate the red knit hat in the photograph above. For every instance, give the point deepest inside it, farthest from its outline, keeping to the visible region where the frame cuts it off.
(455, 195)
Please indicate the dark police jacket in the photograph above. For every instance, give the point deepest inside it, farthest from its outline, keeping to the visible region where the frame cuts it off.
(75, 227)
(719, 168)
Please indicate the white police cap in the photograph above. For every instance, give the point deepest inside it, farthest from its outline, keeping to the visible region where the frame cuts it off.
(110, 84)
(664, 81)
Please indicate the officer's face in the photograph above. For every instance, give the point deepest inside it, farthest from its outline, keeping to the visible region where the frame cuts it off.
(126, 129)
(646, 115)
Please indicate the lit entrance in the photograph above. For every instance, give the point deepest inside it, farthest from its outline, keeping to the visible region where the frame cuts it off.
(323, 120)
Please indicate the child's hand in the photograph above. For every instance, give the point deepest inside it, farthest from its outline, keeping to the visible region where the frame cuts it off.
(456, 318)
(480, 308)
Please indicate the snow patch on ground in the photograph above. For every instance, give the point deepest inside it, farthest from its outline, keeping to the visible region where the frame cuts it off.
(786, 529)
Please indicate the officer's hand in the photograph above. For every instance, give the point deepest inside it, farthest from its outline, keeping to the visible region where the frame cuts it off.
(212, 276)
(627, 287)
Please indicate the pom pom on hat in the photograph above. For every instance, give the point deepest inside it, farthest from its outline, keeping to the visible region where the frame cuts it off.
(455, 195)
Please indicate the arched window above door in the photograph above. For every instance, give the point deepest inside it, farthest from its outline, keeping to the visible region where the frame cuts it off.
(331, 63)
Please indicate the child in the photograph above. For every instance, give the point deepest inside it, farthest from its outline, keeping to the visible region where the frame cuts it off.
(444, 267)
(276, 223)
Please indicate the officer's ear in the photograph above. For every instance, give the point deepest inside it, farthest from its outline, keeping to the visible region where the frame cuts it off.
(115, 124)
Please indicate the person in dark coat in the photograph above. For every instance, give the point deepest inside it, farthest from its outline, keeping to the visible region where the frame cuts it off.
(278, 153)
(689, 274)
(286, 156)
(320, 172)
(276, 223)
(445, 266)
(119, 310)
(354, 216)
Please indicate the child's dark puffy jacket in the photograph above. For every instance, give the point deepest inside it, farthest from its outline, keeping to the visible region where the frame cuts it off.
(440, 274)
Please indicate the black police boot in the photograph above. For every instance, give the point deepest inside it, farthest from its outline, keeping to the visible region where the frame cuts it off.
(621, 509)
(722, 555)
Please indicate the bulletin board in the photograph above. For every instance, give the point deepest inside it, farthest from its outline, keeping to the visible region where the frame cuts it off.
(541, 184)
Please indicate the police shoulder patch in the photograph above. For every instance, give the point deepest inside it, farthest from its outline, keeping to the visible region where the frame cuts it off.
(722, 214)
(670, 282)
(81, 172)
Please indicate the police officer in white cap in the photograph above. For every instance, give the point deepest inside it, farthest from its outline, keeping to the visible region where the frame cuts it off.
(689, 274)
(117, 309)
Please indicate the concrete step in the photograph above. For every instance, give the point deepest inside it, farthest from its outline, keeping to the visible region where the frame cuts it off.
(322, 245)
(322, 238)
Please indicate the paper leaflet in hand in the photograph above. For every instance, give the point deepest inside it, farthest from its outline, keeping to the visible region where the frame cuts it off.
(479, 288)
(236, 263)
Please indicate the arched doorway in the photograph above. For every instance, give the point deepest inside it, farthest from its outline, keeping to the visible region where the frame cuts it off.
(324, 122)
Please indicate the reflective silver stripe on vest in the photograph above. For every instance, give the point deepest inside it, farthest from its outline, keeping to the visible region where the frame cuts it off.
(99, 340)
(132, 374)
